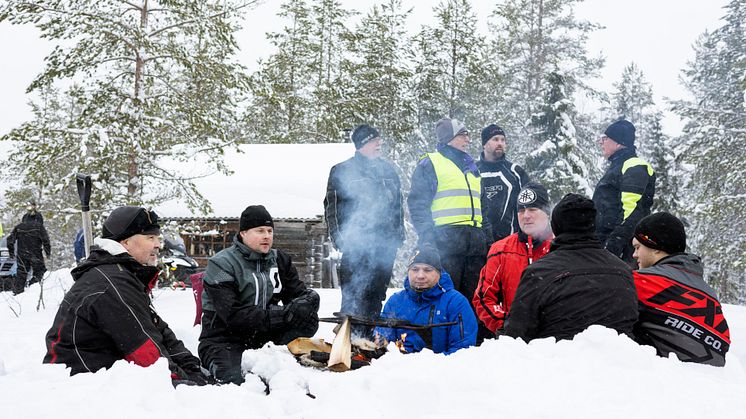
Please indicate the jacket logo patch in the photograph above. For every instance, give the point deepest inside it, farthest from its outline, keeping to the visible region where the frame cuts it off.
(274, 276)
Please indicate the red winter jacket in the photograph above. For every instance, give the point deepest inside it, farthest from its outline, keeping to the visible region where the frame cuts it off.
(499, 278)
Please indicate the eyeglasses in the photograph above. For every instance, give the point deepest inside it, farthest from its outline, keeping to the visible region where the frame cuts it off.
(603, 138)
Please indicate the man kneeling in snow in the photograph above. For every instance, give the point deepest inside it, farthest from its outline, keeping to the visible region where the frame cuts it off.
(428, 298)
(107, 314)
(243, 286)
(679, 312)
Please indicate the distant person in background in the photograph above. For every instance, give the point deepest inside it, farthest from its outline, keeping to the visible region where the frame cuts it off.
(576, 285)
(79, 246)
(501, 182)
(679, 312)
(429, 298)
(244, 285)
(624, 194)
(26, 242)
(364, 214)
(508, 257)
(108, 315)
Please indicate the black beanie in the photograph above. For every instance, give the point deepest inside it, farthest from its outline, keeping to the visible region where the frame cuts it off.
(574, 214)
(622, 132)
(427, 255)
(363, 134)
(534, 195)
(490, 131)
(125, 222)
(662, 231)
(255, 216)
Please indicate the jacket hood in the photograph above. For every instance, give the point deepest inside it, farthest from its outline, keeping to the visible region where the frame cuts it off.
(570, 241)
(686, 261)
(444, 284)
(108, 252)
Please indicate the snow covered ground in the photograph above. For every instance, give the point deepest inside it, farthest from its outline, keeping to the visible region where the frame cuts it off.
(597, 375)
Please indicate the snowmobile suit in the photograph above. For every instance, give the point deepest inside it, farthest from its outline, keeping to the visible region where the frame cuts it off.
(439, 304)
(500, 276)
(445, 206)
(623, 197)
(239, 306)
(363, 211)
(501, 182)
(679, 312)
(107, 315)
(26, 242)
(576, 285)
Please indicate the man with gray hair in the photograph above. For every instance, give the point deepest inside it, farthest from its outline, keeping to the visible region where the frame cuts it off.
(446, 208)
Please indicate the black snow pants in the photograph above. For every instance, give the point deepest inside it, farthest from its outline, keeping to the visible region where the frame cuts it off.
(28, 263)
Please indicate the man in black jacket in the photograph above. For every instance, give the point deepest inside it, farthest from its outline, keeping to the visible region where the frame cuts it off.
(26, 242)
(107, 315)
(501, 182)
(679, 312)
(576, 285)
(363, 211)
(243, 287)
(624, 194)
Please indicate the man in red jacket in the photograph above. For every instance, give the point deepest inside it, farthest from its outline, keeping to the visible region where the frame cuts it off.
(507, 258)
(679, 312)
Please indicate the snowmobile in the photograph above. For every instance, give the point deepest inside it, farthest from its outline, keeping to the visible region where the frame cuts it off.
(176, 266)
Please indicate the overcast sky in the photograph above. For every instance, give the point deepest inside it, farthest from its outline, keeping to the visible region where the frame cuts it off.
(656, 34)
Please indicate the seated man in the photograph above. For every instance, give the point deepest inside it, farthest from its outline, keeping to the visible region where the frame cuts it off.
(243, 286)
(508, 257)
(576, 285)
(428, 298)
(679, 312)
(107, 315)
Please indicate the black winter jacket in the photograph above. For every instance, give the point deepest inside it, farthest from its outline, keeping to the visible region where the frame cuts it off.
(31, 237)
(107, 315)
(576, 285)
(501, 182)
(238, 298)
(679, 312)
(622, 197)
(363, 204)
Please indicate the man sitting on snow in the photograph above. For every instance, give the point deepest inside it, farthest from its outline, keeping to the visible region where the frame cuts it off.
(576, 285)
(243, 286)
(679, 312)
(107, 315)
(428, 298)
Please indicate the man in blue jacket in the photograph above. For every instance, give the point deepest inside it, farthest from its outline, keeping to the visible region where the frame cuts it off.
(429, 298)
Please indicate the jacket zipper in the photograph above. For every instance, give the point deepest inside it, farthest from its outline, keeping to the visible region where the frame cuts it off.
(471, 199)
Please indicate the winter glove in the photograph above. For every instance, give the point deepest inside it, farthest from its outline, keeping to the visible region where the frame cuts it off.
(276, 318)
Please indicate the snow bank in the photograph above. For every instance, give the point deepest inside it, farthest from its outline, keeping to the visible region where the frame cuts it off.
(599, 374)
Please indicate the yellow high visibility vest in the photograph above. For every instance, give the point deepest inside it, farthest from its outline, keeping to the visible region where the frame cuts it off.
(458, 198)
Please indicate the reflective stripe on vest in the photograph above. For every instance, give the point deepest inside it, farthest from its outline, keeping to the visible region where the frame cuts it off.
(458, 198)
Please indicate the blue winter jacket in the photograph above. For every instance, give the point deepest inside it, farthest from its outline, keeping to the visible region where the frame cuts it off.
(440, 304)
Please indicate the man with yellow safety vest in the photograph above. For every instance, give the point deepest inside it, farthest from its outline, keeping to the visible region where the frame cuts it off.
(624, 194)
(445, 206)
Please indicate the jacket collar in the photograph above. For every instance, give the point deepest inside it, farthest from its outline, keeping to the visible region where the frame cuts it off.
(623, 154)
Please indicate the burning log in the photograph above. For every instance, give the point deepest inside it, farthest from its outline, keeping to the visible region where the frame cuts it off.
(340, 358)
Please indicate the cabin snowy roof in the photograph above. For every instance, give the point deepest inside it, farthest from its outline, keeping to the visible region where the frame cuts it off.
(288, 179)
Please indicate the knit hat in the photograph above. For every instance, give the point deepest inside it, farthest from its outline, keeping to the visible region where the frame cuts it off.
(534, 195)
(125, 222)
(574, 214)
(622, 132)
(255, 216)
(490, 131)
(662, 231)
(427, 255)
(363, 134)
(446, 129)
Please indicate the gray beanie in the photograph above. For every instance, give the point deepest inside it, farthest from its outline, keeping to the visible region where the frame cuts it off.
(446, 129)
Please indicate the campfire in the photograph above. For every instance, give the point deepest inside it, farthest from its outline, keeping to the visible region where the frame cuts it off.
(346, 353)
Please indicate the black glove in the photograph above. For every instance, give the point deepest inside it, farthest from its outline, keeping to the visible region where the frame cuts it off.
(276, 318)
(191, 377)
(302, 309)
